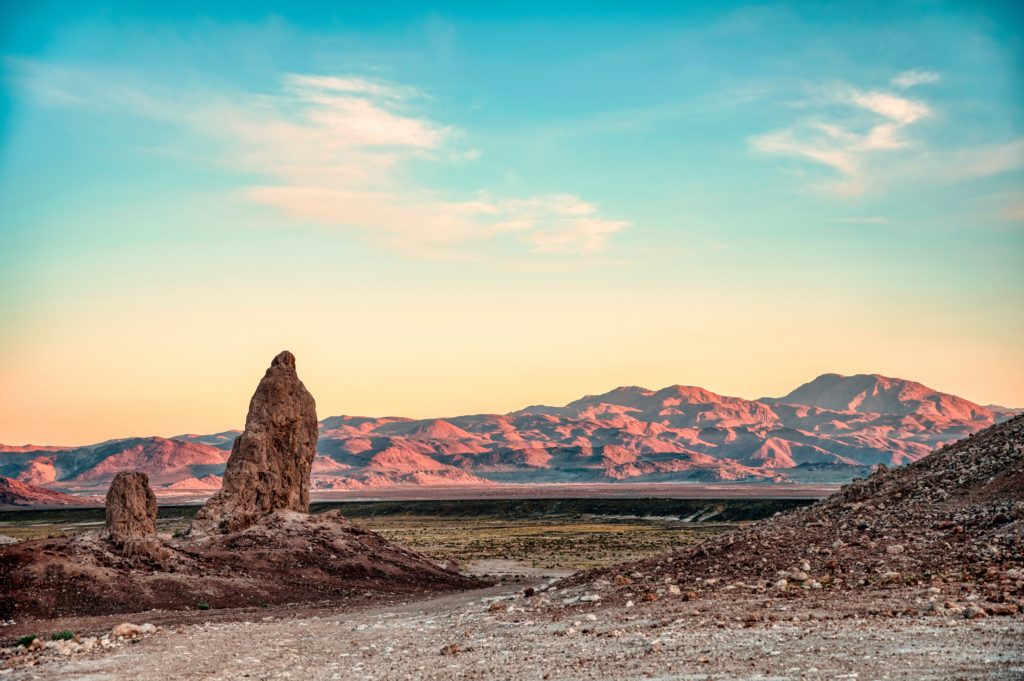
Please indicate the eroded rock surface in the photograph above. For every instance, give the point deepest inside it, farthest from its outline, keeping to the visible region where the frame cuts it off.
(131, 516)
(270, 462)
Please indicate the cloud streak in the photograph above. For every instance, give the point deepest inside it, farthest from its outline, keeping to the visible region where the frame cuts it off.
(857, 126)
(332, 151)
(913, 78)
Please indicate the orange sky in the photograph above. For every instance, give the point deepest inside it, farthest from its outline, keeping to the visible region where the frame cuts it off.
(136, 371)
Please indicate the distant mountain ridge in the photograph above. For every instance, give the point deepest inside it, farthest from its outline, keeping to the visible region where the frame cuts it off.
(828, 430)
(15, 494)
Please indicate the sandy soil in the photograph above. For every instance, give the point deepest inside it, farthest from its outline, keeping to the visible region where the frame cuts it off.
(466, 636)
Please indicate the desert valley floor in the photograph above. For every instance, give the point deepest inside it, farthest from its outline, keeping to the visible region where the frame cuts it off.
(497, 632)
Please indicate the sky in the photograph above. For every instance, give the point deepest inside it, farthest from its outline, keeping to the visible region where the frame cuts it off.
(455, 209)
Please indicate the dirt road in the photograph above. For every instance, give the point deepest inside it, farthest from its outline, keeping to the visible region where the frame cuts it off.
(460, 636)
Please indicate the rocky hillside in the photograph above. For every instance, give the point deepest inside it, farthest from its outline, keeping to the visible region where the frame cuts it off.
(957, 515)
(832, 429)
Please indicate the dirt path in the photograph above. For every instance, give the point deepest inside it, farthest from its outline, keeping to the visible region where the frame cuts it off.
(538, 639)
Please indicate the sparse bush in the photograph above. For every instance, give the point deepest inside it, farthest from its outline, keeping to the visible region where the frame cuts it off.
(202, 605)
(62, 635)
(26, 640)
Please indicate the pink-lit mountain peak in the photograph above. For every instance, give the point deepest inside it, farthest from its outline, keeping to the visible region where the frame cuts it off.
(644, 399)
(877, 394)
(676, 405)
(439, 429)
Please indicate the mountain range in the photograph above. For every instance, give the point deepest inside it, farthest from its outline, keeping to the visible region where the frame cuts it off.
(831, 429)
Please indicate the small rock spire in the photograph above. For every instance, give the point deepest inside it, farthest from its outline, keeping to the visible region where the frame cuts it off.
(131, 516)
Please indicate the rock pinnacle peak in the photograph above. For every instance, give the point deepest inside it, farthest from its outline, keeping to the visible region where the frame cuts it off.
(284, 357)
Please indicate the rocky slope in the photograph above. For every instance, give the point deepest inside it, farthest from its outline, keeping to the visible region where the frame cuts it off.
(957, 515)
(832, 429)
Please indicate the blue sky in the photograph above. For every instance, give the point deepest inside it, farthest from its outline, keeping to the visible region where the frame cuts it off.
(738, 196)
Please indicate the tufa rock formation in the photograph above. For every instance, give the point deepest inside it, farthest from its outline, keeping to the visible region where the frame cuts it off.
(252, 544)
(270, 462)
(131, 516)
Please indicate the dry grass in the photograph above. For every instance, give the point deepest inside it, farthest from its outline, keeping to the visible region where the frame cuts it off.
(554, 542)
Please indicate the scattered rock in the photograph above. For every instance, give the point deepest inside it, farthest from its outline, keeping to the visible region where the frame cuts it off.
(1002, 609)
(972, 612)
(127, 630)
(890, 577)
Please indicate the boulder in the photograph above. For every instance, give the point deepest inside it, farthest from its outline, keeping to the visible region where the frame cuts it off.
(131, 516)
(270, 462)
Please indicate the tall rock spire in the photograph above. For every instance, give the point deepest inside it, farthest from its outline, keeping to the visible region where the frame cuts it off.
(270, 462)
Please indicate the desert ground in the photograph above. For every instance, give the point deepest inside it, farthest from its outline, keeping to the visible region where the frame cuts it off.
(499, 633)
(557, 633)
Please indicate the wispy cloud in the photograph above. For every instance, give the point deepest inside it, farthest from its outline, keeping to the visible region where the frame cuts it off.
(332, 151)
(859, 125)
(913, 78)
(863, 220)
(1013, 212)
(900, 110)
(982, 161)
(351, 85)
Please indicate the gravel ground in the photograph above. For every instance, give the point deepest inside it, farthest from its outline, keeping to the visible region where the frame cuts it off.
(496, 633)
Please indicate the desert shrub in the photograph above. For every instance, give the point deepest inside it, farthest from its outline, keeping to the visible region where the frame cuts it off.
(202, 605)
(25, 640)
(62, 635)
